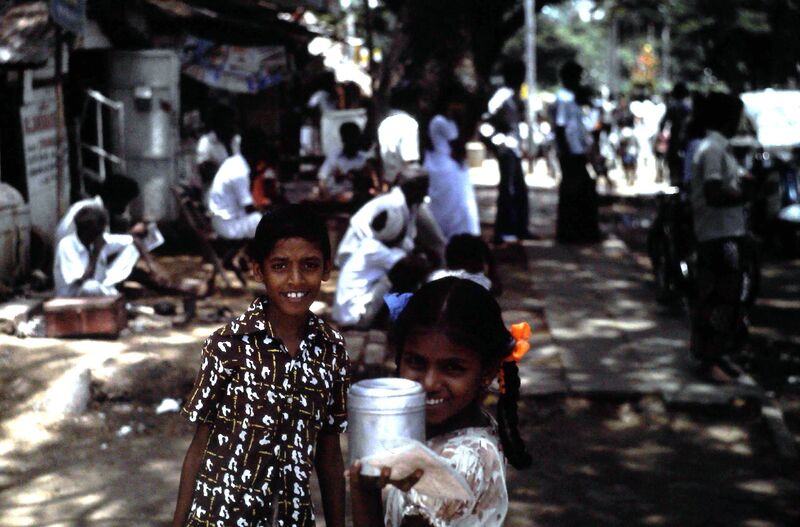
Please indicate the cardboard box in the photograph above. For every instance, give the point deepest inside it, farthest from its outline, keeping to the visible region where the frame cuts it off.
(87, 316)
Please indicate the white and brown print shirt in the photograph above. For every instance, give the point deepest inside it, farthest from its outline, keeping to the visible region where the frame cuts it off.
(266, 409)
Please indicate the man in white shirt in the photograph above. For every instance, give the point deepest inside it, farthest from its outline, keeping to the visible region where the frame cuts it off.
(506, 110)
(398, 135)
(230, 198)
(577, 220)
(91, 261)
(718, 194)
(115, 194)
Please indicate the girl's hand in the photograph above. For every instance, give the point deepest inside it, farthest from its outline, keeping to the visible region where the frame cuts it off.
(378, 482)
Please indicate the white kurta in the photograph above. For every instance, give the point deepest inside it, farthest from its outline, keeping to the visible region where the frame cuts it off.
(72, 258)
(228, 198)
(363, 280)
(398, 136)
(452, 198)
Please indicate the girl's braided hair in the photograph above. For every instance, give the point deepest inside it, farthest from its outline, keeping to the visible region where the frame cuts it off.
(469, 316)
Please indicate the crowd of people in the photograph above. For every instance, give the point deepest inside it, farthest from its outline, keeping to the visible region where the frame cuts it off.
(269, 399)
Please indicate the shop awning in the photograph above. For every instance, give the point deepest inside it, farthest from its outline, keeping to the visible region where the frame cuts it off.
(236, 22)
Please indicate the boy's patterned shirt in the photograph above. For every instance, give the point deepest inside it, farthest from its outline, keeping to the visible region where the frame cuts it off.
(266, 409)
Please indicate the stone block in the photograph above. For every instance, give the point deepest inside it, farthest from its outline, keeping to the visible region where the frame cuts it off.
(14, 312)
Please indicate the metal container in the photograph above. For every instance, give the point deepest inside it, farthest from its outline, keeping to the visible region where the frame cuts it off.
(382, 410)
(15, 235)
(147, 83)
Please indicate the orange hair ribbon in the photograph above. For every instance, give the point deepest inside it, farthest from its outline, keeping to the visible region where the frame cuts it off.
(521, 333)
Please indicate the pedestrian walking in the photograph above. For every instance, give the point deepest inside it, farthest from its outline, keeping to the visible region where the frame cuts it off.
(450, 337)
(269, 399)
(452, 197)
(718, 194)
(674, 123)
(506, 112)
(577, 215)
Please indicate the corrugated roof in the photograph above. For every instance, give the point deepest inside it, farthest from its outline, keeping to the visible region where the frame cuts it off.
(26, 35)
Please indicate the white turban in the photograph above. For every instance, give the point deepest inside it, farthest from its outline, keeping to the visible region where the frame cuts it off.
(395, 225)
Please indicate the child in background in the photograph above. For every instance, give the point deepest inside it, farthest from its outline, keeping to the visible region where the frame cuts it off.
(270, 396)
(450, 337)
(470, 257)
(348, 172)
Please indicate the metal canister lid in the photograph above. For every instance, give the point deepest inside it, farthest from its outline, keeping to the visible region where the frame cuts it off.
(386, 393)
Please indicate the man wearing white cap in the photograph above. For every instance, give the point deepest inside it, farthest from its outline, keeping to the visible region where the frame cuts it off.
(380, 235)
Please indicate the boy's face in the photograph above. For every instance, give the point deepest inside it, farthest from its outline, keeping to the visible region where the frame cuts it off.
(292, 274)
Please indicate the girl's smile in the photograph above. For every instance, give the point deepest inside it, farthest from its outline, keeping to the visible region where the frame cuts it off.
(452, 376)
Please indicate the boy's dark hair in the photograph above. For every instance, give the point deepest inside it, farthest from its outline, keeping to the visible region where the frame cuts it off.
(467, 252)
(288, 221)
(469, 316)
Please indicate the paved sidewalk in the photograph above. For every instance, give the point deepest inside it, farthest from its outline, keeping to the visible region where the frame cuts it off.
(597, 328)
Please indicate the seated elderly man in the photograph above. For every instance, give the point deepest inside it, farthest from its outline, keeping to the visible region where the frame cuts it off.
(91, 261)
(234, 215)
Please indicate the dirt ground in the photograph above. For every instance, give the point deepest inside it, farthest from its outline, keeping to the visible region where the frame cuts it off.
(596, 462)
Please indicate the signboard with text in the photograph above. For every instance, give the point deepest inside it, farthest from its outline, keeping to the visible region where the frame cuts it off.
(40, 143)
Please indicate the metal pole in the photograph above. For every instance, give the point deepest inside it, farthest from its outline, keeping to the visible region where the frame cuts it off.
(666, 55)
(60, 139)
(530, 63)
(613, 59)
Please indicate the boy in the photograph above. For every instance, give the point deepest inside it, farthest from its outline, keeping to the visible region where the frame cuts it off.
(469, 257)
(271, 390)
(347, 175)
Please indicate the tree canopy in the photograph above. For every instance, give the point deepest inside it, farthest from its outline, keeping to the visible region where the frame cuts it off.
(742, 44)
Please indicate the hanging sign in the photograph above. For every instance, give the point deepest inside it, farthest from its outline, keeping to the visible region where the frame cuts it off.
(233, 68)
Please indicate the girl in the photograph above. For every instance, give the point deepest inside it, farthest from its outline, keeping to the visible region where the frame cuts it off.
(269, 399)
(450, 338)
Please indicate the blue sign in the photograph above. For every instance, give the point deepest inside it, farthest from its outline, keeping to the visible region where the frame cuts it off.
(69, 14)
